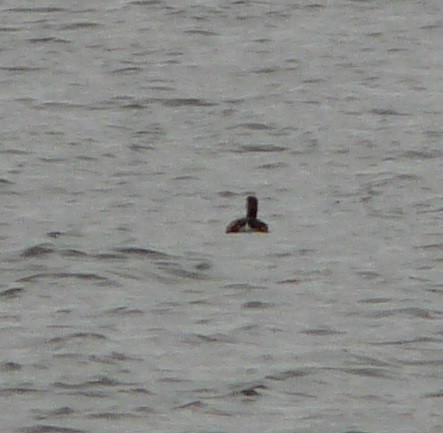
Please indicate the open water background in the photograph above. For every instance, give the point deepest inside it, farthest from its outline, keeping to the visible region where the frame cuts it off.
(131, 133)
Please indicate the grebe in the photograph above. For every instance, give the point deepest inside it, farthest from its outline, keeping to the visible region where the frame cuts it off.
(250, 223)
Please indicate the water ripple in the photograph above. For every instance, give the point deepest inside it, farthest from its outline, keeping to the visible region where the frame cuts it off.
(50, 429)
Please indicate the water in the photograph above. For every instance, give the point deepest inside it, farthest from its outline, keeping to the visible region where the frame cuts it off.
(131, 134)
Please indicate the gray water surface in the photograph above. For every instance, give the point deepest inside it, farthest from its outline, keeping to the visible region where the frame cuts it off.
(131, 133)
